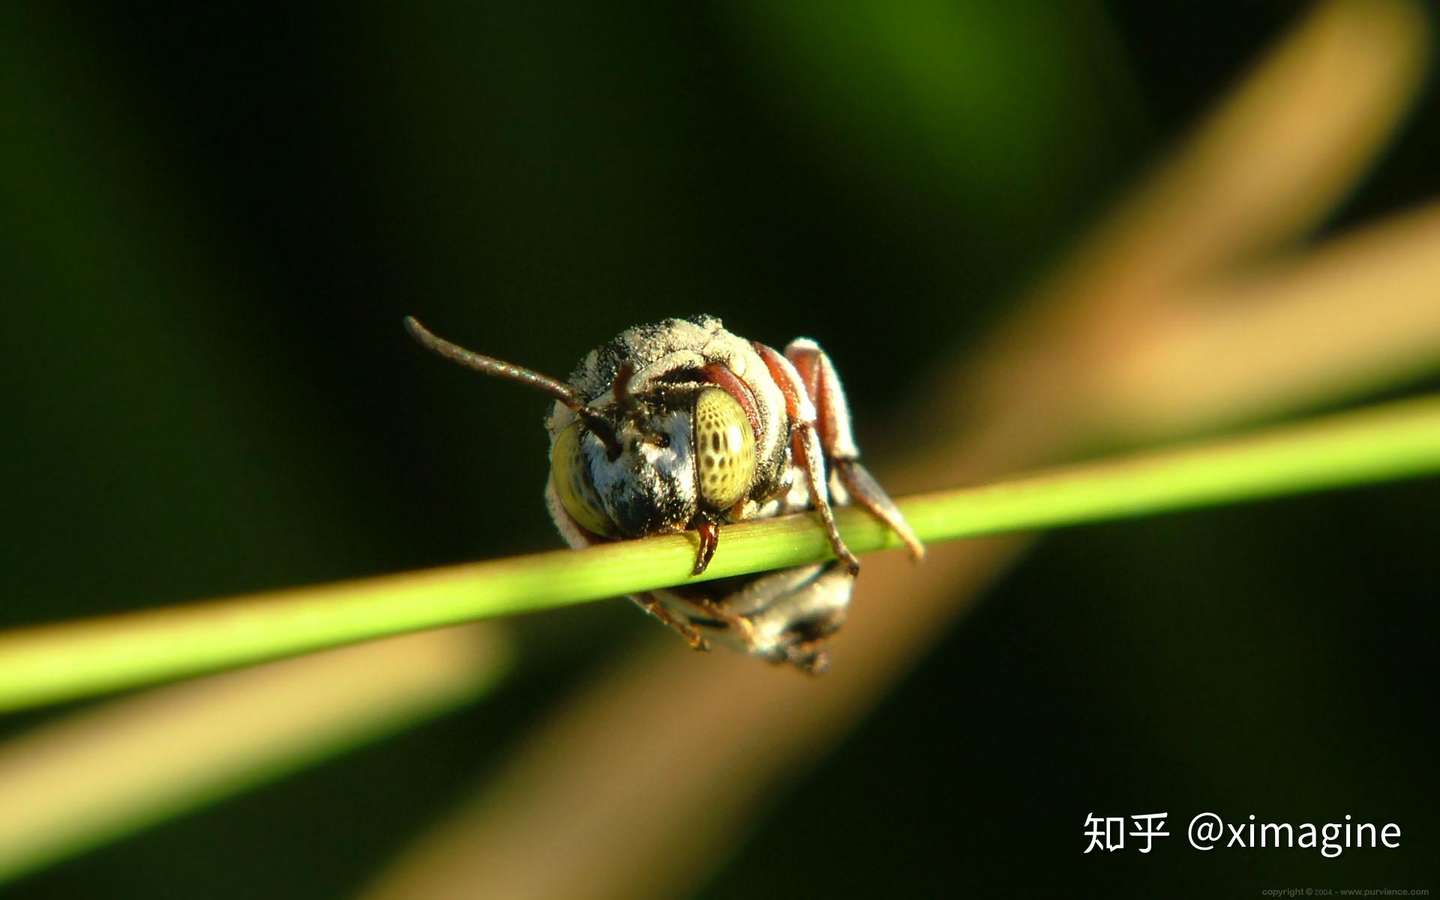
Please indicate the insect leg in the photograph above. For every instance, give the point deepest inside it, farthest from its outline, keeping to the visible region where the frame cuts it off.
(822, 384)
(837, 441)
(805, 445)
(654, 607)
(740, 627)
(709, 534)
(869, 494)
(792, 612)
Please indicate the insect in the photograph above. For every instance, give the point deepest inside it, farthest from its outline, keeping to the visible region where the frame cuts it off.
(682, 425)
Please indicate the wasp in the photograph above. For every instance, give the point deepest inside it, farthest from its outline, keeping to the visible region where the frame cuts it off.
(683, 426)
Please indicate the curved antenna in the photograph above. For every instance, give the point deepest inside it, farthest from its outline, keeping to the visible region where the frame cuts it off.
(488, 365)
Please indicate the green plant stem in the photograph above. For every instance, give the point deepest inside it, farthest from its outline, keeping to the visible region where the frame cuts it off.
(51, 663)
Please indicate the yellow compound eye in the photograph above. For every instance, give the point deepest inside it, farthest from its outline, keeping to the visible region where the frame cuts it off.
(724, 449)
(571, 478)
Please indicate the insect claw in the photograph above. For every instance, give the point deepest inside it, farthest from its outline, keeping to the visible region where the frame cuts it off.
(808, 657)
(691, 636)
(709, 534)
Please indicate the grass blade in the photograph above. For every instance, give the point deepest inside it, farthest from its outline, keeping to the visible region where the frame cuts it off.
(51, 663)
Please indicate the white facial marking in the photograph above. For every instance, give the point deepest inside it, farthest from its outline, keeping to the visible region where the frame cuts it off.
(675, 461)
(656, 466)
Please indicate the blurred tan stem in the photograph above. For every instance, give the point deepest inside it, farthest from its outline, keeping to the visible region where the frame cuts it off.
(635, 788)
(111, 770)
(1258, 173)
(1268, 164)
(1357, 314)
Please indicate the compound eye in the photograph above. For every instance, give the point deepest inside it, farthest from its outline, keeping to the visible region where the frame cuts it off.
(724, 449)
(571, 478)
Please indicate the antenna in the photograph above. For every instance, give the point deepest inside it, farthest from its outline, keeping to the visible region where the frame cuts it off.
(488, 365)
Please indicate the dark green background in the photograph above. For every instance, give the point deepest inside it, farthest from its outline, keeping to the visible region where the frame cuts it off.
(214, 217)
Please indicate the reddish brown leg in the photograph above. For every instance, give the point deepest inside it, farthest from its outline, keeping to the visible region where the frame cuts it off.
(709, 534)
(805, 445)
(869, 494)
(720, 613)
(832, 412)
(657, 609)
(837, 442)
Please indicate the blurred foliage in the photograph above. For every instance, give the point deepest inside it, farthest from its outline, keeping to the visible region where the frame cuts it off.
(216, 217)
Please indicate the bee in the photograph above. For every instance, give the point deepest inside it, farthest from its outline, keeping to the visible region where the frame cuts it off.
(682, 425)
